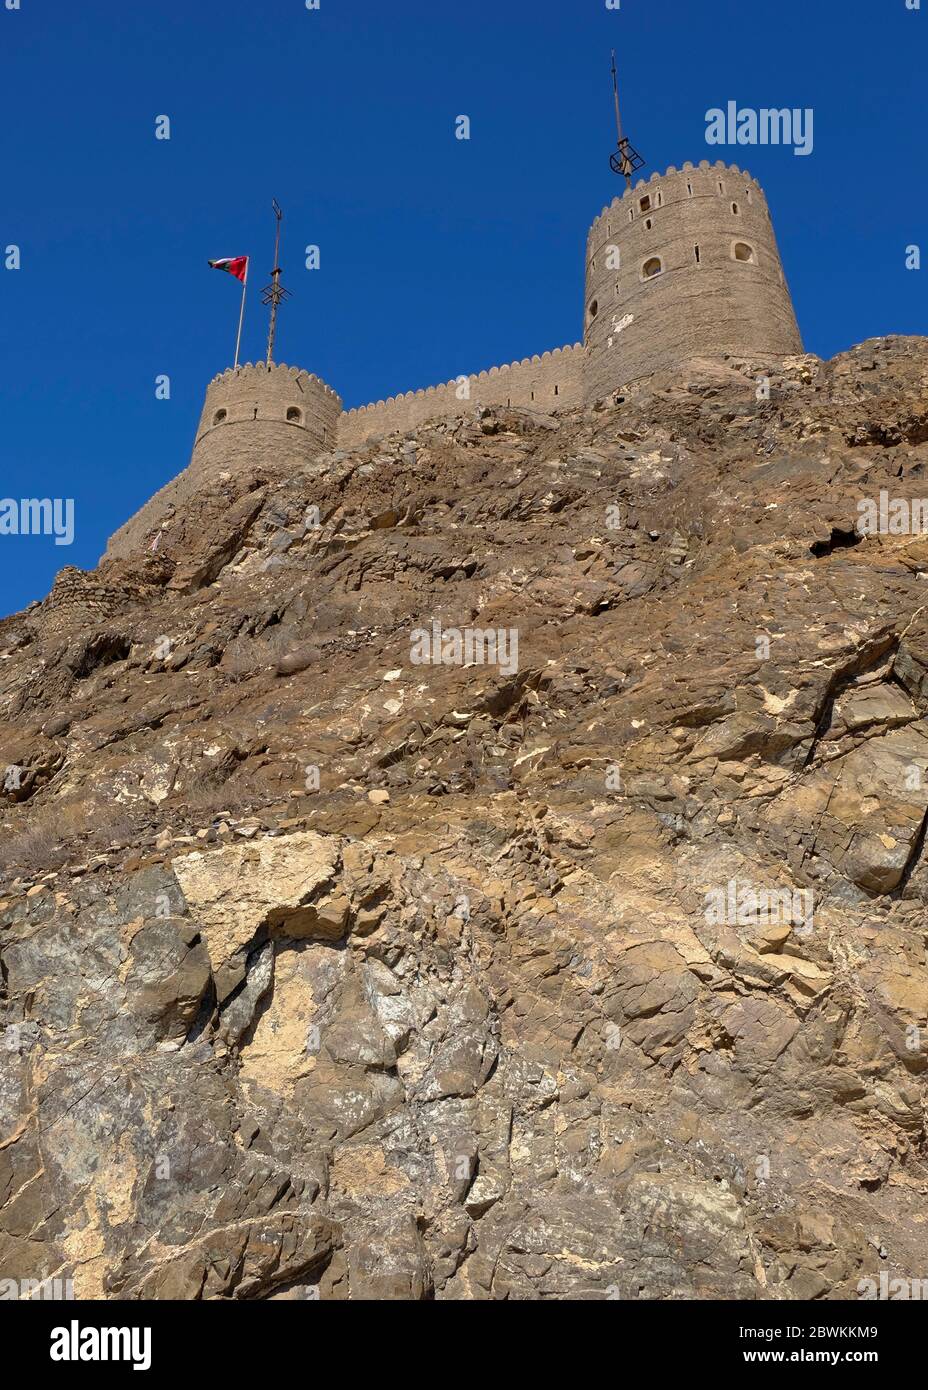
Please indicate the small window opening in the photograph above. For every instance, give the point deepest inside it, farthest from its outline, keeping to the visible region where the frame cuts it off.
(645, 204)
(745, 253)
(652, 267)
(219, 417)
(721, 186)
(689, 189)
(593, 309)
(255, 416)
(734, 208)
(696, 249)
(649, 224)
(295, 415)
(659, 201)
(556, 391)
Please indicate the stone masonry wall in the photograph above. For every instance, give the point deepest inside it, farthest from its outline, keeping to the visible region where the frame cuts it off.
(553, 381)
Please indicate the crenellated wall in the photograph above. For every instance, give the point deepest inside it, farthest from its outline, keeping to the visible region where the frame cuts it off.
(553, 381)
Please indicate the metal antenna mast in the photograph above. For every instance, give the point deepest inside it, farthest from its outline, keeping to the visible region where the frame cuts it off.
(625, 160)
(274, 293)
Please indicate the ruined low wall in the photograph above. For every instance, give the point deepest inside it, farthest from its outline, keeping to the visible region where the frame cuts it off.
(553, 381)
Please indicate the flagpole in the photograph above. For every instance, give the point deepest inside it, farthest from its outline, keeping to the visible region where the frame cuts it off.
(241, 317)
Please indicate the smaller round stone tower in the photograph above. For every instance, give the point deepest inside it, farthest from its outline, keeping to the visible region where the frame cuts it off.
(683, 265)
(257, 416)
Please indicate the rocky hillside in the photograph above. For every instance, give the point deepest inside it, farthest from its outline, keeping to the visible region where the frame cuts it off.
(600, 974)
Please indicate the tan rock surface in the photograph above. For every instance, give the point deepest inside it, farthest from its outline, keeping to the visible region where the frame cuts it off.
(323, 970)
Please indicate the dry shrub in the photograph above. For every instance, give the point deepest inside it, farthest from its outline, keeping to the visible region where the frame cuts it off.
(35, 850)
(62, 831)
(207, 799)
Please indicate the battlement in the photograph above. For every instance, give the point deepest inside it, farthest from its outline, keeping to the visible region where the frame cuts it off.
(259, 374)
(702, 186)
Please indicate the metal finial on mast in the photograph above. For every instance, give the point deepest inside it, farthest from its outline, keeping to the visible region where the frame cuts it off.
(625, 160)
(274, 293)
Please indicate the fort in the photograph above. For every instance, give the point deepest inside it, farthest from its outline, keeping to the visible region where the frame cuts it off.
(683, 265)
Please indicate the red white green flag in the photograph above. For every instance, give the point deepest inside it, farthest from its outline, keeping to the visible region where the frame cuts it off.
(235, 265)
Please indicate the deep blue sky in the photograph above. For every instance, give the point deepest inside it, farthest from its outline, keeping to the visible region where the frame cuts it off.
(438, 256)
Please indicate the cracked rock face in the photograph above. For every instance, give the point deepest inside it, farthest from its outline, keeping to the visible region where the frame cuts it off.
(325, 972)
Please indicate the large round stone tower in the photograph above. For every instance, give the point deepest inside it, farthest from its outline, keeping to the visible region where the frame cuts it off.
(683, 265)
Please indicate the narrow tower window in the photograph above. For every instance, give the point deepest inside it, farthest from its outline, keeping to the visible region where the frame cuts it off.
(645, 204)
(745, 253)
(689, 189)
(734, 208)
(294, 415)
(651, 268)
(696, 249)
(648, 223)
(593, 309)
(219, 417)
